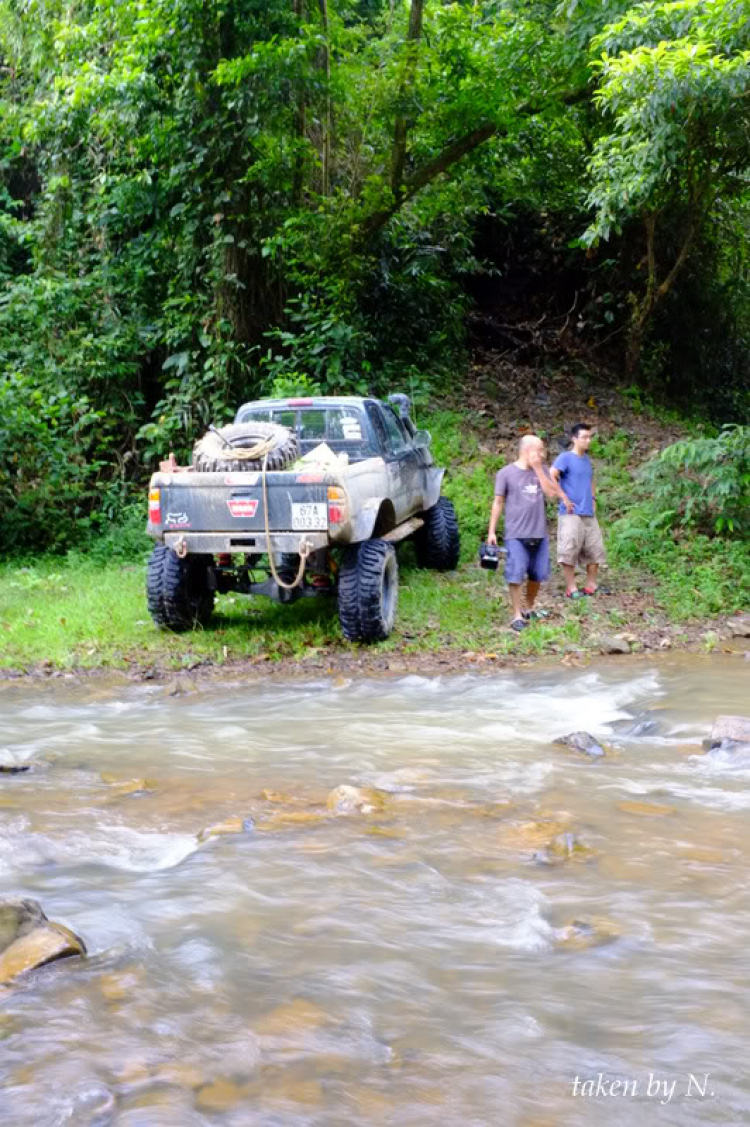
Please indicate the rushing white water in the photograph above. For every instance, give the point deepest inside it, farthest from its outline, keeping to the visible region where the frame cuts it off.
(419, 961)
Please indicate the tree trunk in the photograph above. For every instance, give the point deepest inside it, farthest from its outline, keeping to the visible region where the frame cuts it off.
(401, 127)
(655, 292)
(323, 5)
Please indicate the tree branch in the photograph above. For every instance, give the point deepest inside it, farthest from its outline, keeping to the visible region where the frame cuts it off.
(454, 152)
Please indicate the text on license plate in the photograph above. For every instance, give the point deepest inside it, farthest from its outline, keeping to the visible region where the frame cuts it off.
(309, 515)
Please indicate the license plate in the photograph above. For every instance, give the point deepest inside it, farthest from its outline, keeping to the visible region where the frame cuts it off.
(309, 515)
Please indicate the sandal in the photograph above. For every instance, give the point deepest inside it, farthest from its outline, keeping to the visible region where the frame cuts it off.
(597, 591)
(518, 624)
(532, 615)
(574, 594)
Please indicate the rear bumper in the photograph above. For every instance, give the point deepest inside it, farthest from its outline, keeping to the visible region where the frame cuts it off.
(253, 543)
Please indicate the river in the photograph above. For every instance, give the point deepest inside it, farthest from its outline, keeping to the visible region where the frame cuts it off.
(514, 936)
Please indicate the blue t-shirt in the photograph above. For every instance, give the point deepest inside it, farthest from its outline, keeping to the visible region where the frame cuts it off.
(576, 477)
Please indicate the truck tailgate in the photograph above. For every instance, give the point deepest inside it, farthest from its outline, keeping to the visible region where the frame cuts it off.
(233, 502)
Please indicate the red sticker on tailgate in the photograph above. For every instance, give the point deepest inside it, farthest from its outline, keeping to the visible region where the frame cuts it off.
(243, 507)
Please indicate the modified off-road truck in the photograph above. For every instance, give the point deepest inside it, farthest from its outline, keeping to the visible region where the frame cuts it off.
(299, 497)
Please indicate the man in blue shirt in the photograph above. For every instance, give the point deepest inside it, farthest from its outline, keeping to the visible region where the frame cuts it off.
(579, 538)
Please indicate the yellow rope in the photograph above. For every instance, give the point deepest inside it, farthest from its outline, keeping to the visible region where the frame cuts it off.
(304, 547)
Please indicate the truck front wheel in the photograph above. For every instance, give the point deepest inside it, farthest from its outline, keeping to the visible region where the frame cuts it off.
(177, 591)
(438, 543)
(368, 591)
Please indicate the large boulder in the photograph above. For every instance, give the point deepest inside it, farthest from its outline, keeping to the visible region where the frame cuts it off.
(730, 728)
(583, 742)
(28, 939)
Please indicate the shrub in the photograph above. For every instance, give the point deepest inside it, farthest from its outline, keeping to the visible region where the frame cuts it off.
(703, 483)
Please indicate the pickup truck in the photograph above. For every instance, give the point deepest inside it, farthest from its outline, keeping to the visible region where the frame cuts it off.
(299, 497)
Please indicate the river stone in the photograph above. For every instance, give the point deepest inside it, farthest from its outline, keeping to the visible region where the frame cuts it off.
(583, 742)
(347, 800)
(10, 764)
(579, 935)
(634, 727)
(18, 918)
(220, 1095)
(564, 847)
(735, 728)
(42, 944)
(234, 825)
(647, 809)
(613, 644)
(740, 627)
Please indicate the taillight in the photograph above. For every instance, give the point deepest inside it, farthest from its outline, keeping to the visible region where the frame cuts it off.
(336, 504)
(154, 506)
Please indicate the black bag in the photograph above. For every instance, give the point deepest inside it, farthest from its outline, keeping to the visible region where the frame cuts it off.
(531, 543)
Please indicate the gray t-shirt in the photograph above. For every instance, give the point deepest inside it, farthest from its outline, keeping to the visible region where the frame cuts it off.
(525, 515)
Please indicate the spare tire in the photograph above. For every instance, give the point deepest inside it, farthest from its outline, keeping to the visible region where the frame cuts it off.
(211, 453)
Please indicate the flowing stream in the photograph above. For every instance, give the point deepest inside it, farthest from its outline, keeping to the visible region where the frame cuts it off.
(511, 935)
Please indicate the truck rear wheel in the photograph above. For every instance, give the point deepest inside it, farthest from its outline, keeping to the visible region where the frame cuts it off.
(438, 542)
(177, 590)
(368, 591)
(213, 452)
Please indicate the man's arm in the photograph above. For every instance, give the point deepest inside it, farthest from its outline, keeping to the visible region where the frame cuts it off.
(495, 514)
(551, 488)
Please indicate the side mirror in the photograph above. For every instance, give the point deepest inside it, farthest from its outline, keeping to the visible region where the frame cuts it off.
(422, 438)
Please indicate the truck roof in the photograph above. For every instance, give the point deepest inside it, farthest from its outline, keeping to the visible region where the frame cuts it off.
(310, 401)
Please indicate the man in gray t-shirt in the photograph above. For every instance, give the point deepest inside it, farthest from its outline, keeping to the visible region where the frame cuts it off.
(520, 490)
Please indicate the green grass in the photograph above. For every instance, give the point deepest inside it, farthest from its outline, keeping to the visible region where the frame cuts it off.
(79, 614)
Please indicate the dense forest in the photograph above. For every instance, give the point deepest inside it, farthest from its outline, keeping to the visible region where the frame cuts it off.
(206, 201)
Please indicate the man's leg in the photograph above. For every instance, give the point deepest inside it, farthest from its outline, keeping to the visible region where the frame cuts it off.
(569, 572)
(514, 591)
(593, 553)
(532, 590)
(516, 569)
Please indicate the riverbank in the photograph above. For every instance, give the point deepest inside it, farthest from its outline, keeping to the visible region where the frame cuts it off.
(669, 592)
(81, 618)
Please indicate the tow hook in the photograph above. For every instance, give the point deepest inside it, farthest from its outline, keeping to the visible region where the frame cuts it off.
(181, 548)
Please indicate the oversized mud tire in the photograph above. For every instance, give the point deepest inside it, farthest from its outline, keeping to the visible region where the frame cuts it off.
(177, 590)
(438, 542)
(368, 591)
(210, 453)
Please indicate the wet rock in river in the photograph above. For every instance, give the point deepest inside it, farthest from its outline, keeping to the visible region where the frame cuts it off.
(583, 742)
(28, 939)
(565, 847)
(234, 825)
(646, 809)
(580, 935)
(350, 800)
(734, 728)
(635, 726)
(11, 764)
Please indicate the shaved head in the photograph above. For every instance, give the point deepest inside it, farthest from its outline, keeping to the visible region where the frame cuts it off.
(529, 442)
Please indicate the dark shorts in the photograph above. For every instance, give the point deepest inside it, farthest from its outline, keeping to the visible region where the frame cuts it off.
(524, 560)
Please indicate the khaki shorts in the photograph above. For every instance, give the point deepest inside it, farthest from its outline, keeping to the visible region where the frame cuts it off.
(579, 540)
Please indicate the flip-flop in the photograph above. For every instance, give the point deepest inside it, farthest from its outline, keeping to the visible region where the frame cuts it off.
(518, 624)
(597, 591)
(532, 615)
(574, 594)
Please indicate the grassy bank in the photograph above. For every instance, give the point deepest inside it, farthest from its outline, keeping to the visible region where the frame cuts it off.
(88, 609)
